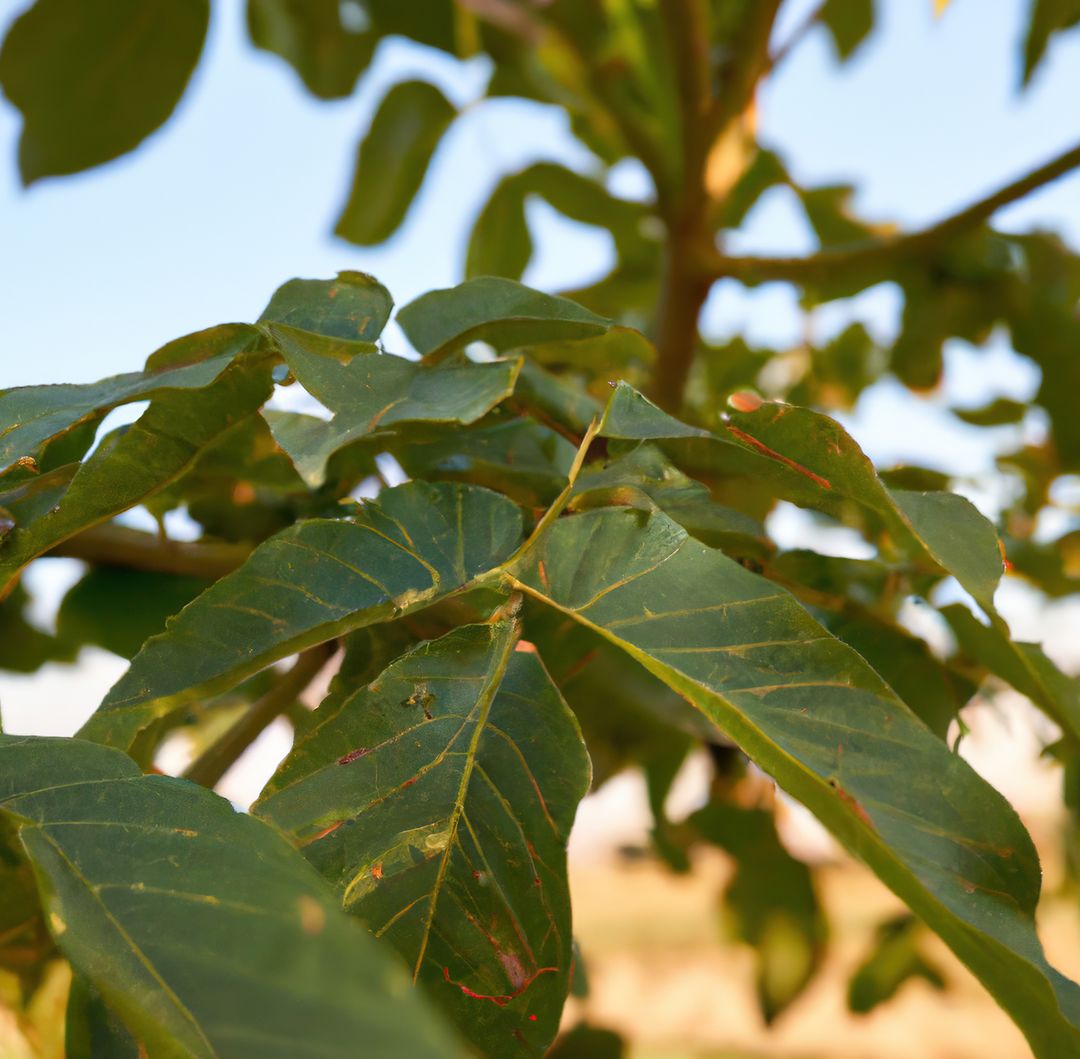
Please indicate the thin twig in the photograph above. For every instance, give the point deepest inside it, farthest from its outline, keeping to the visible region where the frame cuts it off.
(215, 761)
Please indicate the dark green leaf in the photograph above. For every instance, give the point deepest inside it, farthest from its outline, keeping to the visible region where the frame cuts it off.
(1047, 18)
(93, 81)
(438, 800)
(118, 609)
(849, 23)
(515, 456)
(200, 926)
(770, 902)
(373, 392)
(811, 713)
(32, 415)
(392, 161)
(497, 311)
(92, 1029)
(1000, 411)
(310, 583)
(500, 243)
(314, 38)
(894, 960)
(135, 462)
(354, 307)
(588, 1042)
(23, 646)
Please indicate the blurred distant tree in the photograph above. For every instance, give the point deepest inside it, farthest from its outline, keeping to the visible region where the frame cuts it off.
(589, 482)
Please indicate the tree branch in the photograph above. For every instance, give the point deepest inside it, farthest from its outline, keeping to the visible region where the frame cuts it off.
(877, 255)
(685, 286)
(215, 761)
(114, 545)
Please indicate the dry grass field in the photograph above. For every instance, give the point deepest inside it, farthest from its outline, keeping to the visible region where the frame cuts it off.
(661, 973)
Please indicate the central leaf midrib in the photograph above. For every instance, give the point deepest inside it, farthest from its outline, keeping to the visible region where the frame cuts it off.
(507, 634)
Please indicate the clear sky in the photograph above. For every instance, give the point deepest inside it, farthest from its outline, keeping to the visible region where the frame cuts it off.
(240, 190)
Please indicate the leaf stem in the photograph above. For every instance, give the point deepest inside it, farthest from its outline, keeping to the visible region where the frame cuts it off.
(215, 761)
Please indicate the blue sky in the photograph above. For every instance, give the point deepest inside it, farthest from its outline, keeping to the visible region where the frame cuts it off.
(240, 190)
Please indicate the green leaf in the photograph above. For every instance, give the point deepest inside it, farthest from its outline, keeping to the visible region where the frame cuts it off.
(92, 82)
(92, 1029)
(119, 609)
(430, 22)
(849, 23)
(23, 646)
(392, 161)
(315, 40)
(812, 461)
(200, 926)
(498, 311)
(769, 903)
(438, 801)
(500, 243)
(312, 582)
(30, 416)
(137, 461)
(1048, 17)
(354, 307)
(828, 209)
(1000, 411)
(372, 392)
(1023, 665)
(894, 960)
(516, 456)
(811, 713)
(588, 1042)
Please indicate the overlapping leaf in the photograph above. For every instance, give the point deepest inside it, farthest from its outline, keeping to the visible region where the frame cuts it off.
(135, 462)
(312, 582)
(816, 717)
(353, 307)
(200, 926)
(438, 800)
(498, 311)
(30, 416)
(811, 460)
(374, 391)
